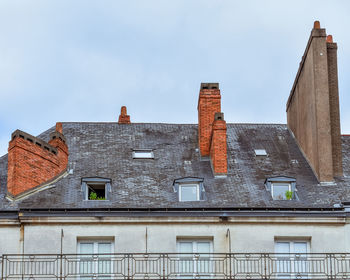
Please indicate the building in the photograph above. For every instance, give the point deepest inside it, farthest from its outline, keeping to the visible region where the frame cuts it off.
(209, 200)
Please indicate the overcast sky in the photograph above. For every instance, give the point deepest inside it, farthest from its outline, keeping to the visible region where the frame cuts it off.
(82, 60)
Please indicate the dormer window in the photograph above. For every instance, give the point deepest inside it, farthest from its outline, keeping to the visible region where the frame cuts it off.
(189, 189)
(281, 188)
(96, 188)
(143, 154)
(189, 192)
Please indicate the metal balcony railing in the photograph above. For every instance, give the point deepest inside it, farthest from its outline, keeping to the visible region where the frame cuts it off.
(176, 266)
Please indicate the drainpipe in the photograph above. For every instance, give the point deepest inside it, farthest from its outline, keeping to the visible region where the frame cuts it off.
(228, 235)
(146, 237)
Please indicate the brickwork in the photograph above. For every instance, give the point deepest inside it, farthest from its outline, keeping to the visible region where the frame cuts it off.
(123, 117)
(313, 107)
(334, 106)
(218, 147)
(32, 162)
(209, 103)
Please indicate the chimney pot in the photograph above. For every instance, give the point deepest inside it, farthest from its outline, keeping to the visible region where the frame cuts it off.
(123, 117)
(59, 127)
(317, 25)
(329, 39)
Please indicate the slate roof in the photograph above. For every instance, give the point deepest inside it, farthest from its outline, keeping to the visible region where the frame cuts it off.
(105, 150)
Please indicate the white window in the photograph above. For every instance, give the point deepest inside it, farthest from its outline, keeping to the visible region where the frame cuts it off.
(260, 152)
(280, 190)
(291, 259)
(189, 192)
(143, 154)
(94, 259)
(194, 258)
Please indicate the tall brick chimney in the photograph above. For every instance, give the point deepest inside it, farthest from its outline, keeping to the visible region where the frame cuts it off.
(218, 146)
(123, 117)
(313, 106)
(212, 128)
(32, 161)
(209, 103)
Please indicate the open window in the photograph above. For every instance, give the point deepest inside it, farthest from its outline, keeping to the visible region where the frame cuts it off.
(189, 189)
(282, 188)
(96, 188)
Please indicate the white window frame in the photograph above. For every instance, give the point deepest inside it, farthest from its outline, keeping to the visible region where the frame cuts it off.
(280, 183)
(194, 259)
(294, 260)
(187, 185)
(94, 255)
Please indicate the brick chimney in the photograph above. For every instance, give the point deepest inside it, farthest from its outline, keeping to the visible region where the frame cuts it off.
(313, 106)
(209, 103)
(123, 117)
(218, 146)
(33, 162)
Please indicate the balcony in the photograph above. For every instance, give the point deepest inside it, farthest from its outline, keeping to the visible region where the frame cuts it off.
(176, 266)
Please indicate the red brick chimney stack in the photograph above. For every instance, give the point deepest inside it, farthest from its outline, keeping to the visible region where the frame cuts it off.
(212, 128)
(209, 103)
(313, 106)
(59, 142)
(33, 162)
(123, 117)
(218, 147)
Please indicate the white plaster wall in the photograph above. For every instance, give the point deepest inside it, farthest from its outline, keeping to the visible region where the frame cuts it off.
(162, 237)
(10, 240)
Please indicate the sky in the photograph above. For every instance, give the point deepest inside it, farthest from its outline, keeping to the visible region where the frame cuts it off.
(80, 61)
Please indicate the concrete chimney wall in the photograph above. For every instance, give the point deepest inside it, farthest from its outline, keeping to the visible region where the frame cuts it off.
(334, 106)
(32, 161)
(209, 103)
(313, 107)
(218, 147)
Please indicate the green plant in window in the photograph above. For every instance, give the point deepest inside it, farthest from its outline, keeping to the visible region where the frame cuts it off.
(289, 195)
(93, 196)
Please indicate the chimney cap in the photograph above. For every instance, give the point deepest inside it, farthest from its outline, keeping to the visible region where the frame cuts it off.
(209, 86)
(219, 116)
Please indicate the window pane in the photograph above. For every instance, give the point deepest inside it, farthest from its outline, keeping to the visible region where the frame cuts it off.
(143, 154)
(86, 264)
(282, 247)
(185, 247)
(104, 247)
(86, 248)
(189, 192)
(279, 191)
(300, 247)
(203, 247)
(104, 262)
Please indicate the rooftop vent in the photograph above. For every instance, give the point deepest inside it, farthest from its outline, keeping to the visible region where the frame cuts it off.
(260, 152)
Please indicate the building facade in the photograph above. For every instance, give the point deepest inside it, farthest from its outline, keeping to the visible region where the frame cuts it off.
(211, 200)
